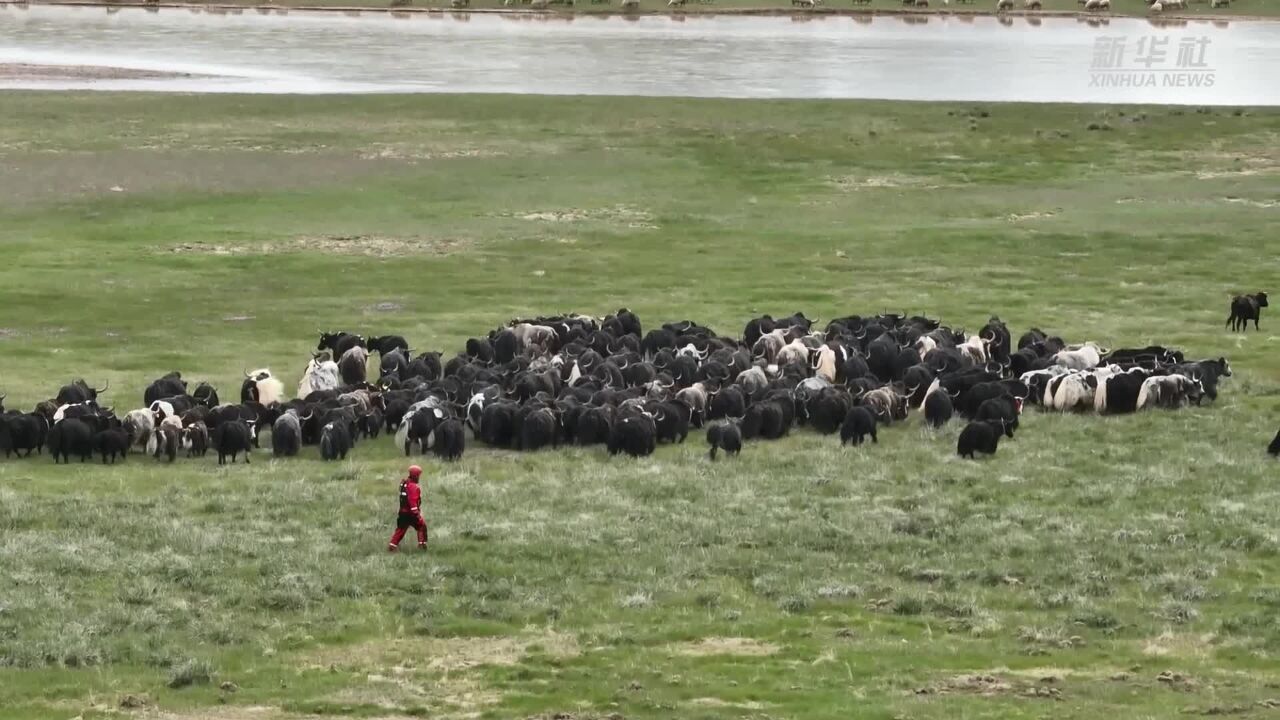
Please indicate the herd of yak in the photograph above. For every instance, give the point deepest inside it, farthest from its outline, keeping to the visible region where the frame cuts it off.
(574, 379)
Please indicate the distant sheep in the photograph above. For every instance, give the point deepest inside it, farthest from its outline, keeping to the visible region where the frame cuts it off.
(1032, 4)
(1002, 5)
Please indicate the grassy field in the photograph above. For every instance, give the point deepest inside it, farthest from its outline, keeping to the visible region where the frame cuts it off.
(1138, 8)
(1126, 565)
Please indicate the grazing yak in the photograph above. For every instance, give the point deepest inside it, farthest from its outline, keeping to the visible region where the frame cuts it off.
(1274, 447)
(167, 386)
(195, 439)
(335, 441)
(450, 440)
(166, 439)
(111, 443)
(321, 375)
(21, 434)
(1205, 372)
(286, 435)
(1085, 357)
(724, 436)
(338, 343)
(386, 344)
(635, 434)
(70, 436)
(78, 392)
(205, 395)
(1119, 393)
(938, 409)
(261, 386)
(859, 423)
(140, 424)
(394, 364)
(1245, 308)
(1003, 410)
(353, 365)
(979, 437)
(230, 438)
(1168, 391)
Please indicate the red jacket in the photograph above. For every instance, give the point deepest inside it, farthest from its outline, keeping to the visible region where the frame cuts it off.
(410, 497)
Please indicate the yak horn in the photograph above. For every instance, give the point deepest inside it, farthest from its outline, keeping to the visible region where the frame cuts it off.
(104, 388)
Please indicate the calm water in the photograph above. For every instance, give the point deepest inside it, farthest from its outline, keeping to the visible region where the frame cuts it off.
(763, 57)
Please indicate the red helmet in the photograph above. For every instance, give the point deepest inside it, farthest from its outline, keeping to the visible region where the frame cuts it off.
(415, 472)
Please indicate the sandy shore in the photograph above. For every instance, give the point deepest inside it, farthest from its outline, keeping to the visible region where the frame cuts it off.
(24, 71)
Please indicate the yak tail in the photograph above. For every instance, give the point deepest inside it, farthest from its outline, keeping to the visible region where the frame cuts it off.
(712, 454)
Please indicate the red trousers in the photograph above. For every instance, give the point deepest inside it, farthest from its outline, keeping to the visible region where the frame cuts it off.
(403, 523)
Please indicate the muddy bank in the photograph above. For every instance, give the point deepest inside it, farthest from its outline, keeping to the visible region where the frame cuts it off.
(27, 71)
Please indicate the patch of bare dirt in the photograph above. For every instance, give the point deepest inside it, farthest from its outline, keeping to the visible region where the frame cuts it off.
(726, 646)
(624, 214)
(250, 712)
(1252, 203)
(253, 713)
(1244, 172)
(380, 657)
(857, 182)
(1179, 645)
(715, 702)
(1020, 217)
(363, 245)
(984, 685)
(448, 696)
(27, 71)
(420, 152)
(1240, 165)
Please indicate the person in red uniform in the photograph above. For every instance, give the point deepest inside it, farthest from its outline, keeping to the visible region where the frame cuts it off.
(410, 511)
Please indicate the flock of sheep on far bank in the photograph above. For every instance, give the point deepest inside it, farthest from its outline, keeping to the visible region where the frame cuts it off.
(578, 380)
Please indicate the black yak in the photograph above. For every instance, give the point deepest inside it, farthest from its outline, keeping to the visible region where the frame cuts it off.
(859, 423)
(979, 437)
(724, 436)
(1245, 308)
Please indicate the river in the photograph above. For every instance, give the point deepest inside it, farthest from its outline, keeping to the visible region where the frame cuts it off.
(816, 56)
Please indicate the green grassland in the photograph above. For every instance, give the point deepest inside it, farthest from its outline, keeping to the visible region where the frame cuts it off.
(1122, 565)
(1196, 9)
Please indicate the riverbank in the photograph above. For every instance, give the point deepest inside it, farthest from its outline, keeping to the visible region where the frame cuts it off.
(73, 73)
(1240, 10)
